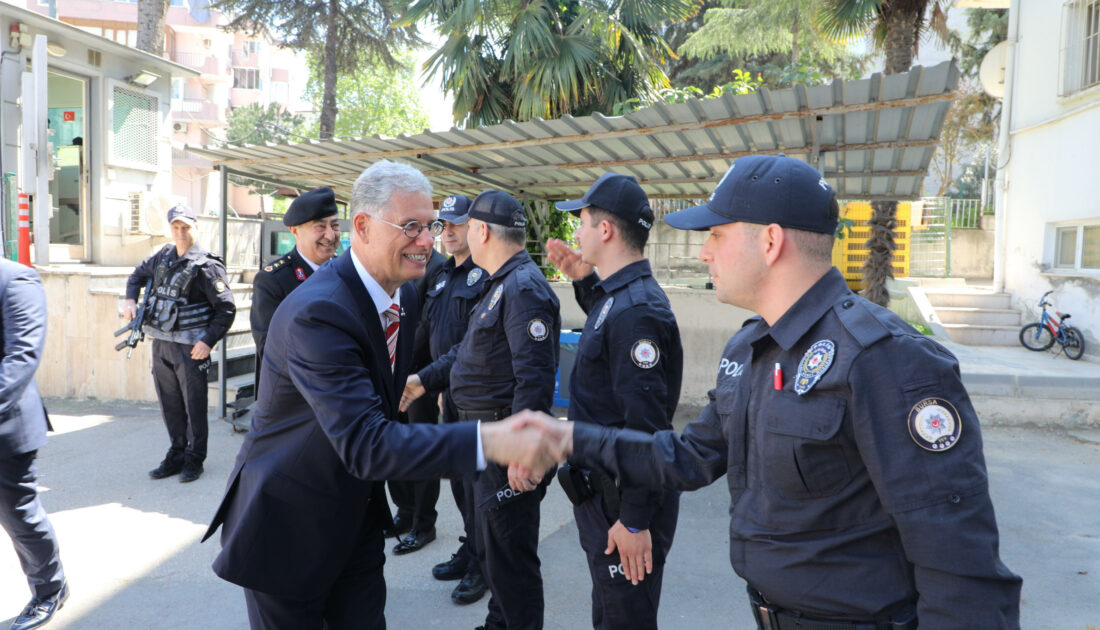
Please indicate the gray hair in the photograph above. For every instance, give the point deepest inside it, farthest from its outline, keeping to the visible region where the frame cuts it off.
(373, 188)
(510, 235)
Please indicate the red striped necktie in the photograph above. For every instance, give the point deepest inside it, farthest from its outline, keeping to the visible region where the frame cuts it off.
(393, 319)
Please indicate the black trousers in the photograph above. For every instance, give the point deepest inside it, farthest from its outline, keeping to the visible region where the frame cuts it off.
(616, 603)
(181, 389)
(25, 520)
(357, 600)
(416, 500)
(508, 535)
(462, 489)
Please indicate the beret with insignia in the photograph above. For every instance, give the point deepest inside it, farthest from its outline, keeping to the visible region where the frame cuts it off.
(310, 206)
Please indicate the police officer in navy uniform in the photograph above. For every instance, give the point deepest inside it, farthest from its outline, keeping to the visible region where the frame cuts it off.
(506, 361)
(312, 220)
(853, 455)
(415, 500)
(627, 374)
(190, 310)
(452, 293)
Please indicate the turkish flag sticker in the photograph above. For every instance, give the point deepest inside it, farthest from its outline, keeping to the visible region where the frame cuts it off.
(68, 116)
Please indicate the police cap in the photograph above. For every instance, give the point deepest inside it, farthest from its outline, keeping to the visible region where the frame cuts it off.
(455, 209)
(310, 206)
(182, 212)
(766, 189)
(618, 194)
(495, 206)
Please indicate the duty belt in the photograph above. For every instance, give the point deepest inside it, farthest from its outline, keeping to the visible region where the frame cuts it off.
(485, 415)
(771, 617)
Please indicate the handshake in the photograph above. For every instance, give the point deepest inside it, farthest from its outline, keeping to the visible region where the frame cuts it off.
(530, 443)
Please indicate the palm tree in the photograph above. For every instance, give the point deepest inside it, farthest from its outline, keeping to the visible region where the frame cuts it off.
(896, 27)
(522, 59)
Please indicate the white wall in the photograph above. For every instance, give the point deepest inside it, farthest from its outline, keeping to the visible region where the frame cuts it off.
(1050, 173)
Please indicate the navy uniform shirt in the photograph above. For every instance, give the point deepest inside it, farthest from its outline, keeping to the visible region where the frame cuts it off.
(210, 285)
(451, 294)
(269, 288)
(863, 494)
(629, 365)
(509, 355)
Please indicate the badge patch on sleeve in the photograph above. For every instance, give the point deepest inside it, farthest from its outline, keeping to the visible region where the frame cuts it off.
(934, 424)
(603, 313)
(813, 366)
(645, 354)
(538, 330)
(473, 276)
(496, 297)
(220, 287)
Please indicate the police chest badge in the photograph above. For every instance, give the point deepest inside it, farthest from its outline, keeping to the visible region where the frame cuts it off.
(603, 313)
(813, 366)
(644, 353)
(473, 276)
(537, 330)
(934, 424)
(300, 274)
(496, 297)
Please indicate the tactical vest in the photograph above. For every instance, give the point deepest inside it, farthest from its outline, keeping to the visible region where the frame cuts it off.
(171, 318)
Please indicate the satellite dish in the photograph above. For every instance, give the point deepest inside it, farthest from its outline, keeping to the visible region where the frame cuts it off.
(992, 71)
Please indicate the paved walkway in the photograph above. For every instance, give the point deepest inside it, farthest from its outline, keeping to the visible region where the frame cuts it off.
(130, 548)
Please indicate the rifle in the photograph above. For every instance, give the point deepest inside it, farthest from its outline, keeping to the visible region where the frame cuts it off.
(136, 334)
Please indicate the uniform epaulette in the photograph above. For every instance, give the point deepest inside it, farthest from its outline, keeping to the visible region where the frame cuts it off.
(277, 264)
(859, 320)
(636, 290)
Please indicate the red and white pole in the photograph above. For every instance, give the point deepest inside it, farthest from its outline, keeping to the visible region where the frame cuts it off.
(24, 229)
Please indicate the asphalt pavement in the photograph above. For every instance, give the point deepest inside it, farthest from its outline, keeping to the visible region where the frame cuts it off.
(130, 544)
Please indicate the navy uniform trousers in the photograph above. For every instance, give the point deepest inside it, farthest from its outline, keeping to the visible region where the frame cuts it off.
(24, 519)
(182, 391)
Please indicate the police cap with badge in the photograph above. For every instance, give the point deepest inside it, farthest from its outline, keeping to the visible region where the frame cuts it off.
(618, 194)
(766, 189)
(183, 213)
(499, 208)
(310, 206)
(455, 209)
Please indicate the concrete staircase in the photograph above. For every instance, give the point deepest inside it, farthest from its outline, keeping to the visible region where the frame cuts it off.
(976, 316)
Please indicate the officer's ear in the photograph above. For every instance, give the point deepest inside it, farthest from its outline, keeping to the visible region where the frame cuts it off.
(771, 240)
(359, 225)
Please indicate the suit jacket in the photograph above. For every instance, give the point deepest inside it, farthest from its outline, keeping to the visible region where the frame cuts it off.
(269, 288)
(23, 419)
(307, 478)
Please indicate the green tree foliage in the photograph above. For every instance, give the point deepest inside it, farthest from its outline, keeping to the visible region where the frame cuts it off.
(257, 124)
(373, 100)
(896, 28)
(342, 33)
(522, 59)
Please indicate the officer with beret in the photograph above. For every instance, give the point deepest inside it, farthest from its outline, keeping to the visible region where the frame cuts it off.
(452, 292)
(312, 220)
(506, 361)
(627, 374)
(851, 449)
(190, 310)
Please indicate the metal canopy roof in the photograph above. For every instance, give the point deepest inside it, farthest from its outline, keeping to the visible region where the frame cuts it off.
(872, 138)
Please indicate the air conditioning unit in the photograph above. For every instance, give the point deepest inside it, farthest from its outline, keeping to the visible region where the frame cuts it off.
(179, 127)
(147, 215)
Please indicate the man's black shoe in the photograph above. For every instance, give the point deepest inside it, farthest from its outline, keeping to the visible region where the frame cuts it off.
(190, 472)
(40, 611)
(452, 569)
(400, 526)
(167, 468)
(414, 541)
(469, 590)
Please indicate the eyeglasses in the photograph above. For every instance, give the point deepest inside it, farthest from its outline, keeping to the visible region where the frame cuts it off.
(412, 229)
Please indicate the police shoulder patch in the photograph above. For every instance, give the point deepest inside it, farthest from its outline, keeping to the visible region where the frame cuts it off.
(473, 276)
(537, 329)
(934, 424)
(645, 354)
(603, 312)
(813, 366)
(220, 286)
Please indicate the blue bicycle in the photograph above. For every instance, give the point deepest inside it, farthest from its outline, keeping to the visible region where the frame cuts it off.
(1041, 335)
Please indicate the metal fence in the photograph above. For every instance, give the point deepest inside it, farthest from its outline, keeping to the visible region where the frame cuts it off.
(931, 233)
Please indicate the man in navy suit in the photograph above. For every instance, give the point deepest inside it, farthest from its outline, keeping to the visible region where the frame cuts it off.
(304, 507)
(23, 425)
